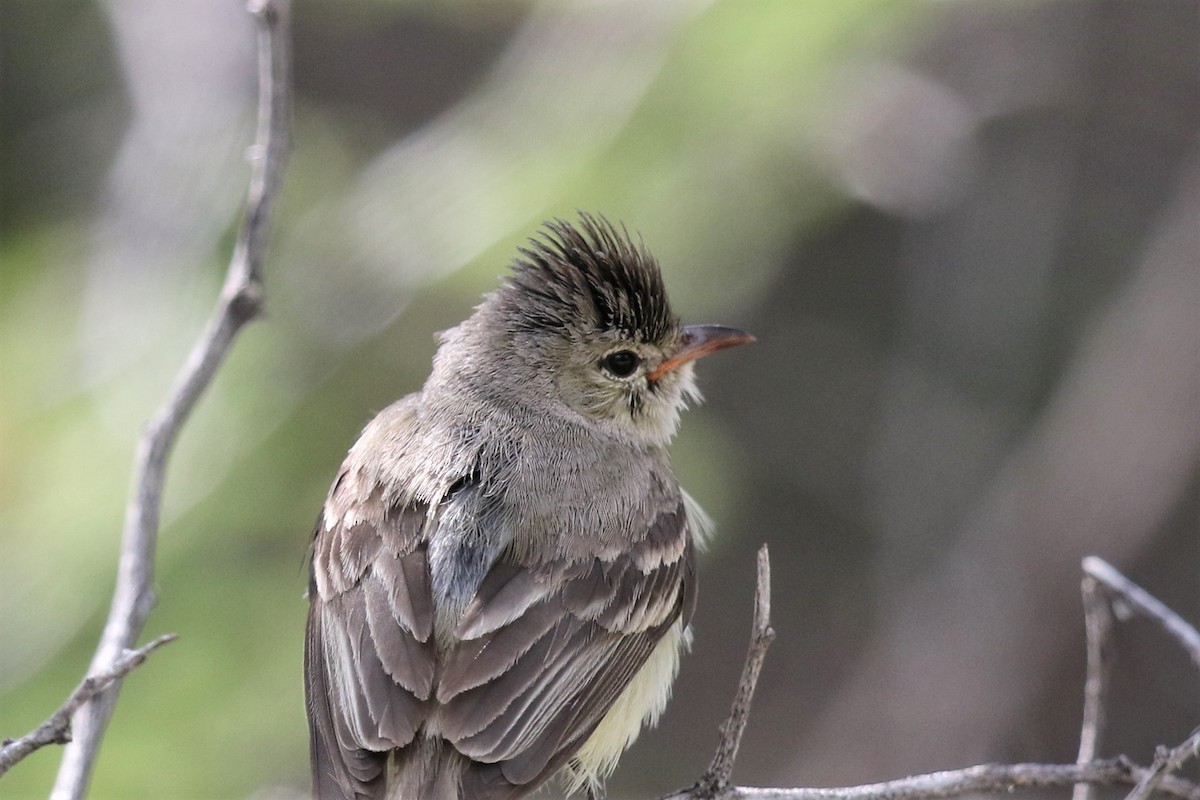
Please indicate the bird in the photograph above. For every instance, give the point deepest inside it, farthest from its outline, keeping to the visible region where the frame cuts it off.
(503, 575)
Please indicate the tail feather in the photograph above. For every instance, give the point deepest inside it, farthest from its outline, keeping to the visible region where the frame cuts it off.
(431, 769)
(427, 770)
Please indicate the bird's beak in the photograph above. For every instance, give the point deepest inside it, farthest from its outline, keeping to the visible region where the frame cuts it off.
(700, 340)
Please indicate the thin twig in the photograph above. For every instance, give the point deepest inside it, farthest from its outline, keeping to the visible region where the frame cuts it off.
(715, 779)
(57, 728)
(1128, 598)
(981, 779)
(1165, 762)
(1136, 599)
(241, 301)
(985, 778)
(1098, 623)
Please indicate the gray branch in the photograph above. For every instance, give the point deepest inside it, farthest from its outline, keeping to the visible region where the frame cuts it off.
(1104, 589)
(1129, 598)
(715, 779)
(1126, 598)
(57, 728)
(1098, 622)
(240, 302)
(1165, 762)
(981, 779)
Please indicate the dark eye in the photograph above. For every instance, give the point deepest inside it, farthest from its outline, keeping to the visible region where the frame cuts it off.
(622, 363)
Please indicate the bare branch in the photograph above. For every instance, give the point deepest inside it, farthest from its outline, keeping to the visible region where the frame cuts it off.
(1165, 762)
(57, 728)
(241, 301)
(1101, 581)
(1098, 623)
(981, 779)
(1128, 598)
(715, 779)
(1135, 599)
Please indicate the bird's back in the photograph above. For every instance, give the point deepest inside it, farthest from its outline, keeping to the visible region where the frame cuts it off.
(451, 658)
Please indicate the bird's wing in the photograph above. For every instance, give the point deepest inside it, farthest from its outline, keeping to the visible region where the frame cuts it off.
(369, 655)
(546, 652)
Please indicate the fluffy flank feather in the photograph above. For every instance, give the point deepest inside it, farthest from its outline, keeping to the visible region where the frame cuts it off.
(642, 702)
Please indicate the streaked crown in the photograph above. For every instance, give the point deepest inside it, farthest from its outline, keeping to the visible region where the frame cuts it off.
(590, 277)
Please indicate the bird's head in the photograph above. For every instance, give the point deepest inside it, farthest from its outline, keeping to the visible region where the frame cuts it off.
(583, 326)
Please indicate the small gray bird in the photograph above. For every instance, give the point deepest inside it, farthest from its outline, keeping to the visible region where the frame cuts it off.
(504, 571)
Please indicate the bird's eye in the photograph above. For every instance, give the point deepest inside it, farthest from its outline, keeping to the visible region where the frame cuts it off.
(622, 363)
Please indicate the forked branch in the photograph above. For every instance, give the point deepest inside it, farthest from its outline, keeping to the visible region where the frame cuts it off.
(240, 302)
(57, 729)
(1104, 588)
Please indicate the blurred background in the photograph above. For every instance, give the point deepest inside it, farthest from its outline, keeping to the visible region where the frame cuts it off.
(967, 235)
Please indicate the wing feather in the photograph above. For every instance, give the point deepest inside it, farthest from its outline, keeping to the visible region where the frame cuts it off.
(406, 659)
(504, 595)
(337, 773)
(369, 655)
(526, 695)
(538, 658)
(562, 735)
(477, 661)
(406, 579)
